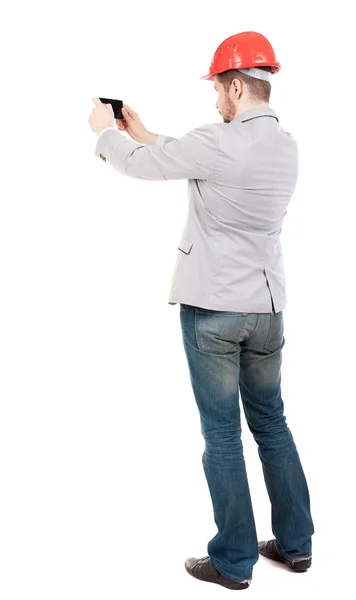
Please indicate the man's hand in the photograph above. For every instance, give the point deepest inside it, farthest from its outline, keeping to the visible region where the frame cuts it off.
(133, 125)
(102, 116)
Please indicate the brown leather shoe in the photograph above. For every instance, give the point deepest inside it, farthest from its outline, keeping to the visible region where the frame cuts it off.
(203, 569)
(269, 550)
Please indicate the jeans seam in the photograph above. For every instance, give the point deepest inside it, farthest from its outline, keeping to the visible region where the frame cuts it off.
(257, 322)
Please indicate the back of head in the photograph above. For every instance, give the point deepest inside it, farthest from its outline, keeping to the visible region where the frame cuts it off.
(259, 90)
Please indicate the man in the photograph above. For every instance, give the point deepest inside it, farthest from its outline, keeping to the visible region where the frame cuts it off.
(229, 281)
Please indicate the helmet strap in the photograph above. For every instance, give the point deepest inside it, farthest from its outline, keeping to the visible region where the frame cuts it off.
(257, 73)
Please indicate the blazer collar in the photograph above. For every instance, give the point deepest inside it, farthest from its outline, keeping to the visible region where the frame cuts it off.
(253, 113)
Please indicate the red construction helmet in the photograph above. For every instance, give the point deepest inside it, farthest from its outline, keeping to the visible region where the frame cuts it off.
(246, 51)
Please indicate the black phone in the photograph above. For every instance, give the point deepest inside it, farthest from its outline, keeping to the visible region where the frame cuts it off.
(116, 106)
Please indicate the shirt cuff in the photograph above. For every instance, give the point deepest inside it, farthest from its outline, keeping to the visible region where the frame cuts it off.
(160, 140)
(106, 129)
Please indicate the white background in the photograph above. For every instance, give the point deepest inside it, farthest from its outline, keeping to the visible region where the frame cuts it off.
(103, 493)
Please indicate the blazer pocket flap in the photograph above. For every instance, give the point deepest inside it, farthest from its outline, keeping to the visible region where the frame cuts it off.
(185, 246)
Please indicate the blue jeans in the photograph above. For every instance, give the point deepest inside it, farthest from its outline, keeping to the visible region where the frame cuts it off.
(228, 352)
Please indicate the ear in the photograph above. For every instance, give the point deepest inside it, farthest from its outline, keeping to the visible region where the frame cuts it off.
(237, 88)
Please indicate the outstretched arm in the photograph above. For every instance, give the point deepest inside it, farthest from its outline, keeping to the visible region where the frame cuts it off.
(192, 156)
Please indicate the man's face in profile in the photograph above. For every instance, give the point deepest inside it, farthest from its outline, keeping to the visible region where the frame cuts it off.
(224, 103)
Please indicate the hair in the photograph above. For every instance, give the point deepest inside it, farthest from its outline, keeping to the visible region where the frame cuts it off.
(259, 89)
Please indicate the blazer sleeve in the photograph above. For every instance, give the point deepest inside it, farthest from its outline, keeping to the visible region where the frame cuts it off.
(192, 156)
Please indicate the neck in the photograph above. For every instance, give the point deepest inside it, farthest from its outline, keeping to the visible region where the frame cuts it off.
(243, 107)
